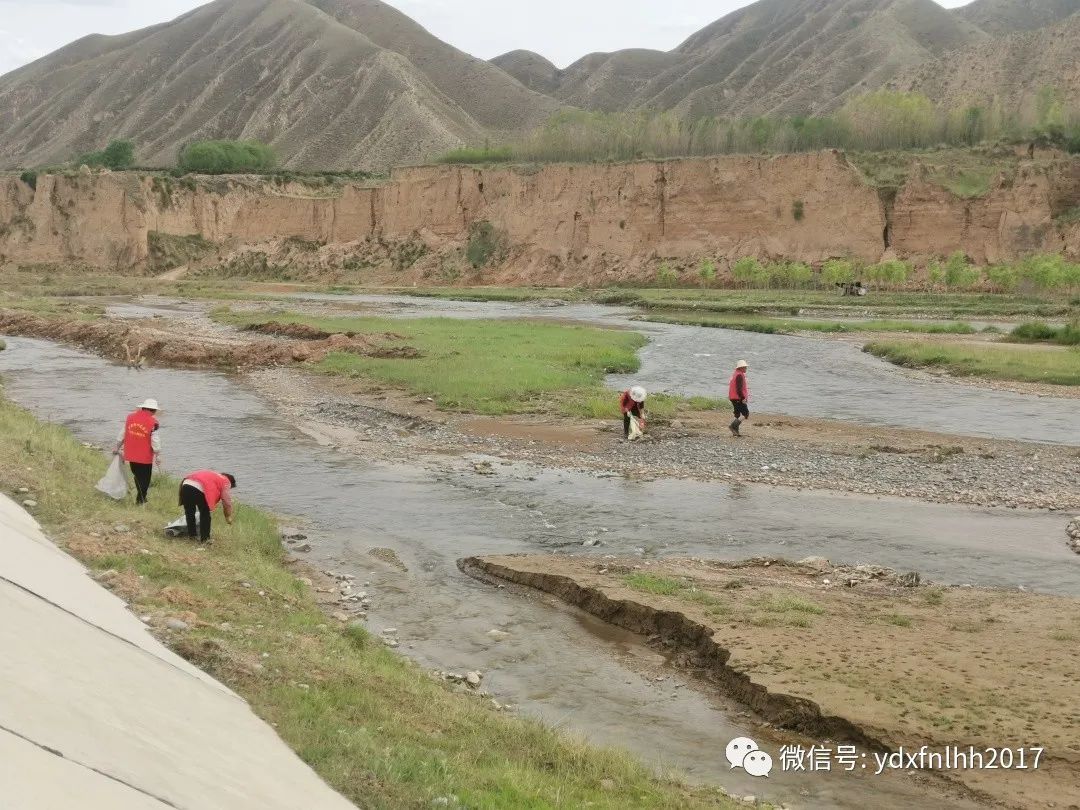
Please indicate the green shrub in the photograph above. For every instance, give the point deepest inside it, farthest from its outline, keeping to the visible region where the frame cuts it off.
(749, 271)
(837, 271)
(889, 274)
(1033, 331)
(118, 155)
(1003, 277)
(30, 178)
(1038, 332)
(666, 276)
(959, 273)
(467, 155)
(227, 157)
(798, 210)
(485, 245)
(1049, 272)
(707, 272)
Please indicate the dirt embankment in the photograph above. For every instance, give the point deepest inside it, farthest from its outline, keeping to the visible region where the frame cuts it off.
(560, 224)
(136, 344)
(861, 655)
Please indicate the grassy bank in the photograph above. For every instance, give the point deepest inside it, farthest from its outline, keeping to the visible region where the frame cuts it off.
(993, 361)
(781, 326)
(1067, 335)
(375, 727)
(488, 367)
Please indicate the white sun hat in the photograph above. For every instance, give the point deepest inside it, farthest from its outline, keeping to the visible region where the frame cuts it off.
(150, 405)
(638, 394)
(742, 364)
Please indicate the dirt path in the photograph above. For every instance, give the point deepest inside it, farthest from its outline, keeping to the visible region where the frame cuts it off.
(862, 655)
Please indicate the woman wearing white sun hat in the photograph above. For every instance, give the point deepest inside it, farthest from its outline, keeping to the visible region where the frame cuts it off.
(632, 405)
(141, 445)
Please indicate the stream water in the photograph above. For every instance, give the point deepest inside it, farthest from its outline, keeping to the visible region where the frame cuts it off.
(566, 667)
(798, 376)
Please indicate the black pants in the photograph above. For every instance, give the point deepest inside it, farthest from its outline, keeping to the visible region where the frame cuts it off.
(741, 408)
(626, 421)
(142, 473)
(193, 500)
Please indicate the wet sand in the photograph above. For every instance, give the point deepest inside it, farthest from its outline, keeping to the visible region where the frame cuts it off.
(858, 655)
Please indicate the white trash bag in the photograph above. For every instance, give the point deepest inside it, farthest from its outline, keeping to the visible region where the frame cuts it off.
(114, 482)
(635, 428)
(178, 528)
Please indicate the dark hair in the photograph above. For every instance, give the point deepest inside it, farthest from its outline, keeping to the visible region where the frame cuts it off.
(232, 479)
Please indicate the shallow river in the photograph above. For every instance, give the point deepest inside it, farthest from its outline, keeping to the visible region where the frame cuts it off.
(798, 376)
(566, 667)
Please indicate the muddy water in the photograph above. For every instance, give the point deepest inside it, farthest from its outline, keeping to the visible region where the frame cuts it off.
(567, 668)
(799, 376)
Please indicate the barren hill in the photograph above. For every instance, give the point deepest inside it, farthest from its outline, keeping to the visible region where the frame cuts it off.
(1009, 16)
(357, 84)
(1012, 68)
(329, 83)
(774, 56)
(531, 69)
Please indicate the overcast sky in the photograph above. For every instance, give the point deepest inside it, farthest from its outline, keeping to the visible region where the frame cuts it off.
(562, 30)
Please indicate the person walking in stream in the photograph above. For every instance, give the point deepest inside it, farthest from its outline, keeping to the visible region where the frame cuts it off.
(200, 493)
(739, 394)
(141, 445)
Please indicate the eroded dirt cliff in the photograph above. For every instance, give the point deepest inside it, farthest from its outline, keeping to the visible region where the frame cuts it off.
(565, 224)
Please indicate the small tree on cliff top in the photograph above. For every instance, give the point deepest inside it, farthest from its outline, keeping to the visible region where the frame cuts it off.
(118, 155)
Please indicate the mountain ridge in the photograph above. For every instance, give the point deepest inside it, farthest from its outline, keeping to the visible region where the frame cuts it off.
(357, 84)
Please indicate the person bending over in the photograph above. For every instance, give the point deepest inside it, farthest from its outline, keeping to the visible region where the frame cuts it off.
(632, 405)
(200, 493)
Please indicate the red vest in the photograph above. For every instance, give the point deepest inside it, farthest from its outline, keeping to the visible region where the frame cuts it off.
(137, 431)
(212, 484)
(733, 386)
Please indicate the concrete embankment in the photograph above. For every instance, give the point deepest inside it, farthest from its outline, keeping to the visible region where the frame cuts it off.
(95, 713)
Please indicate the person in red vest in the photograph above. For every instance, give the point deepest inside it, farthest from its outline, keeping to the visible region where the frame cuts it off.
(739, 394)
(200, 493)
(141, 446)
(632, 404)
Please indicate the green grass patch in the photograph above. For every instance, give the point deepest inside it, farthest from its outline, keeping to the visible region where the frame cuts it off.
(492, 367)
(651, 583)
(791, 326)
(788, 604)
(993, 361)
(377, 728)
(1039, 332)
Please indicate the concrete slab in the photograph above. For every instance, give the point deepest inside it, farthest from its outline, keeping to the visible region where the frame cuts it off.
(43, 568)
(33, 778)
(140, 730)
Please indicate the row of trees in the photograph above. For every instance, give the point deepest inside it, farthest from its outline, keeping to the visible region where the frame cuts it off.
(202, 157)
(1044, 274)
(876, 121)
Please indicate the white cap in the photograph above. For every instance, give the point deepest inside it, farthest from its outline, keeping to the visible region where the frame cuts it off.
(742, 364)
(638, 394)
(150, 405)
